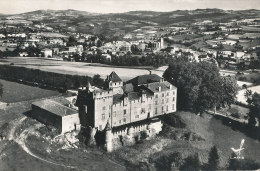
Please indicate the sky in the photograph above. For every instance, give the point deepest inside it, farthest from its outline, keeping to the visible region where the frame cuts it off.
(115, 6)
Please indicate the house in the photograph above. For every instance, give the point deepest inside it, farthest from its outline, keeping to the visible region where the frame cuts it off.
(50, 112)
(47, 53)
(107, 56)
(23, 54)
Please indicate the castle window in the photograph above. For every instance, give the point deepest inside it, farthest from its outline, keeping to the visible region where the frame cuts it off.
(120, 121)
(156, 96)
(162, 101)
(173, 92)
(155, 110)
(124, 111)
(104, 108)
(173, 99)
(162, 109)
(173, 107)
(143, 110)
(156, 102)
(167, 100)
(167, 94)
(114, 113)
(103, 116)
(124, 119)
(167, 108)
(163, 95)
(137, 116)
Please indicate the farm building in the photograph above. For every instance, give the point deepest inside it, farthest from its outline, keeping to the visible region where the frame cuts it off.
(50, 112)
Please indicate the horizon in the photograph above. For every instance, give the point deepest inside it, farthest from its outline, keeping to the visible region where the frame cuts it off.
(10, 7)
(131, 10)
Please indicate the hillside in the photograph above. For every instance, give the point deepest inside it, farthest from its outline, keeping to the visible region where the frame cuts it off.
(114, 24)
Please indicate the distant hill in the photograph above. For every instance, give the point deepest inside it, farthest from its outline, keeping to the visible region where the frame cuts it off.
(114, 24)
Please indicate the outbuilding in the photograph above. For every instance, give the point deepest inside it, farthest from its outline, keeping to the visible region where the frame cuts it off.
(50, 112)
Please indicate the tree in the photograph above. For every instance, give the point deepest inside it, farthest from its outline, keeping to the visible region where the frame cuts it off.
(97, 81)
(72, 41)
(99, 43)
(191, 163)
(200, 86)
(213, 161)
(254, 105)
(1, 90)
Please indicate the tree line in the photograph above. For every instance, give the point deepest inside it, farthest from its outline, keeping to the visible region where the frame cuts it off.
(43, 78)
(156, 60)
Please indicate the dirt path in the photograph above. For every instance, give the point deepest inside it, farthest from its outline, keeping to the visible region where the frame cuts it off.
(21, 141)
(11, 135)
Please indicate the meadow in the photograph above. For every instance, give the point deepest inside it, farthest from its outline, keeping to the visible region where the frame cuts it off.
(15, 92)
(78, 68)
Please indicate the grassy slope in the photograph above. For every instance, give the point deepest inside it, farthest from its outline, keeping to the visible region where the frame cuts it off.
(210, 129)
(14, 92)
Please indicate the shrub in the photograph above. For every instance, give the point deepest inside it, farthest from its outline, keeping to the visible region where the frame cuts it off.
(235, 115)
(174, 120)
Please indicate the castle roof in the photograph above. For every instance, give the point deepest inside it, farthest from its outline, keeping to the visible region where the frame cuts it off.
(114, 77)
(154, 87)
(128, 88)
(144, 79)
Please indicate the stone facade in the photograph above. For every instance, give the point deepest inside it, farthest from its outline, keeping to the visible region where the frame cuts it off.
(119, 106)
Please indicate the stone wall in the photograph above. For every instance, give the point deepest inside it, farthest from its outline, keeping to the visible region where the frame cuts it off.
(132, 134)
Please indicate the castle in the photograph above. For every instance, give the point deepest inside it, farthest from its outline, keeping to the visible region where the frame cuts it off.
(118, 103)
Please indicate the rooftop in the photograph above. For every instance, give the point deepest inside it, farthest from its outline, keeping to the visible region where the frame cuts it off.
(114, 77)
(154, 87)
(54, 107)
(144, 79)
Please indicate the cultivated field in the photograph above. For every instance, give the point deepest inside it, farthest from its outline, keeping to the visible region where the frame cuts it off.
(77, 68)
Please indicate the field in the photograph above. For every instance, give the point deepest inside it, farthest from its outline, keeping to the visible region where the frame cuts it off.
(185, 37)
(77, 68)
(15, 92)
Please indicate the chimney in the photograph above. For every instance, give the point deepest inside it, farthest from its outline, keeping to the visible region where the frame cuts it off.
(159, 88)
(161, 80)
(150, 72)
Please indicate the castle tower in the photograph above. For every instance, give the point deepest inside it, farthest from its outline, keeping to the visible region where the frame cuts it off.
(109, 137)
(115, 83)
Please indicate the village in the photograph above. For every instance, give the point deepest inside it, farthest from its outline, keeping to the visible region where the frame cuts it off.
(233, 44)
